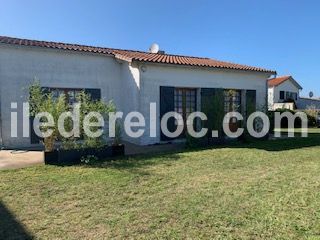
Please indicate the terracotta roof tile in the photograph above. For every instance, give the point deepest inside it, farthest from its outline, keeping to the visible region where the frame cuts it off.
(136, 55)
(277, 81)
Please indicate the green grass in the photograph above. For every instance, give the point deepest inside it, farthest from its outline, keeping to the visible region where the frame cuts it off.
(255, 191)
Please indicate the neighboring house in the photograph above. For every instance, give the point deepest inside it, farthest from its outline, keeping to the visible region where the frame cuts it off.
(132, 79)
(283, 92)
(308, 103)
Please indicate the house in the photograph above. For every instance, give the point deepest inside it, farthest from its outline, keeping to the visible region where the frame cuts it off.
(132, 79)
(283, 92)
(308, 103)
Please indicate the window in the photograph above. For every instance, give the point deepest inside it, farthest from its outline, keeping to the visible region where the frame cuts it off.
(185, 101)
(70, 94)
(291, 96)
(295, 96)
(282, 95)
(232, 101)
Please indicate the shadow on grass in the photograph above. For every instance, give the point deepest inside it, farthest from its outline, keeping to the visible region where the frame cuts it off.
(10, 228)
(136, 163)
(284, 144)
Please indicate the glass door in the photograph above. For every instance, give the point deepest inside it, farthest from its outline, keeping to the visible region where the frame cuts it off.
(185, 103)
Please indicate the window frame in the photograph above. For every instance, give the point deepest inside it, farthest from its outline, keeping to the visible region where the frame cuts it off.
(185, 102)
(230, 101)
(65, 91)
(233, 103)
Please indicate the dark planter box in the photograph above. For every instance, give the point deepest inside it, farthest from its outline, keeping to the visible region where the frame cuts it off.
(51, 157)
(117, 150)
(70, 157)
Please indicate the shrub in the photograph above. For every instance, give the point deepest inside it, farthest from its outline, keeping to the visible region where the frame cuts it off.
(117, 138)
(192, 142)
(41, 101)
(90, 159)
(311, 114)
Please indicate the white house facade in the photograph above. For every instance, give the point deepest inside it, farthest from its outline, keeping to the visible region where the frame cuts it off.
(132, 79)
(283, 92)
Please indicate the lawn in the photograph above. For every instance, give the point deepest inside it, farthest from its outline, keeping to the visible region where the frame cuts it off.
(253, 191)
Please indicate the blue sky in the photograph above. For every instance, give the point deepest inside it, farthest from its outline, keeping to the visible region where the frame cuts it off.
(281, 35)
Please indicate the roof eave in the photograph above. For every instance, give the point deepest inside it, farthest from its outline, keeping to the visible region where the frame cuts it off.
(57, 49)
(295, 83)
(198, 66)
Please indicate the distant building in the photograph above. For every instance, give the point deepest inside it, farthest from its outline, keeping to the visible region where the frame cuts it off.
(283, 92)
(308, 103)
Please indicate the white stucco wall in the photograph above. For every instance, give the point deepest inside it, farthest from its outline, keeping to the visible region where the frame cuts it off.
(270, 98)
(181, 76)
(54, 68)
(274, 94)
(125, 83)
(287, 86)
(129, 93)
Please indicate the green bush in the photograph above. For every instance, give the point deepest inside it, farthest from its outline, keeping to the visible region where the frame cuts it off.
(311, 114)
(41, 101)
(192, 142)
(89, 159)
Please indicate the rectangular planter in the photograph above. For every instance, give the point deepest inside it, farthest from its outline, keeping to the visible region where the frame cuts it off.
(73, 156)
(51, 157)
(117, 150)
